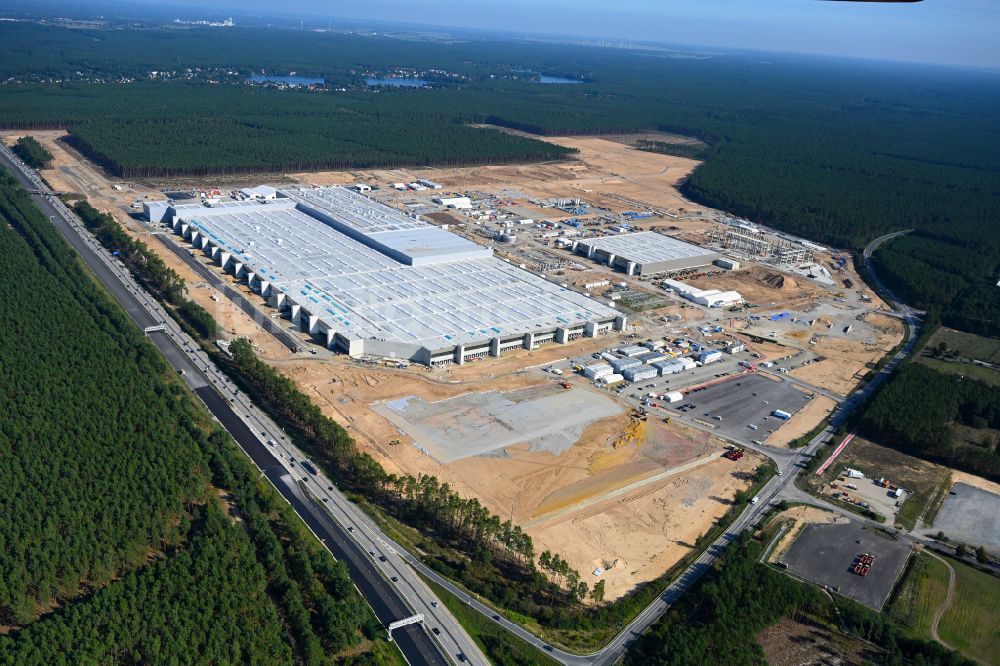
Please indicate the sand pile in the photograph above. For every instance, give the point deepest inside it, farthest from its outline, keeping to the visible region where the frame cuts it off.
(779, 281)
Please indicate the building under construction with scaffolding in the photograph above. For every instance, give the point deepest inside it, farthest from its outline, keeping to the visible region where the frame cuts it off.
(754, 244)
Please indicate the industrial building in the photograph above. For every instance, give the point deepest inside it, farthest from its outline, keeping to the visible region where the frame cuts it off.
(631, 350)
(644, 253)
(712, 298)
(597, 371)
(365, 278)
(259, 192)
(454, 202)
(622, 364)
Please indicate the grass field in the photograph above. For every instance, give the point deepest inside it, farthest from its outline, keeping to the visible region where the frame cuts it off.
(968, 345)
(961, 345)
(987, 375)
(500, 646)
(921, 593)
(971, 625)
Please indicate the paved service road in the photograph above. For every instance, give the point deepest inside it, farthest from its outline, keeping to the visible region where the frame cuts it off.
(391, 600)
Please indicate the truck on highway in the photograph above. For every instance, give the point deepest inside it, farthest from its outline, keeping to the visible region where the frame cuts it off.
(310, 467)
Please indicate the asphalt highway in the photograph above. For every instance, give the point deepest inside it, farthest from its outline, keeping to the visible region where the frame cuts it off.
(392, 589)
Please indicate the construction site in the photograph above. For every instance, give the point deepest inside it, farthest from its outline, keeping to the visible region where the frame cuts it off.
(621, 488)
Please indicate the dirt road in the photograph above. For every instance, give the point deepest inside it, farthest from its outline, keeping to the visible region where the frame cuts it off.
(946, 604)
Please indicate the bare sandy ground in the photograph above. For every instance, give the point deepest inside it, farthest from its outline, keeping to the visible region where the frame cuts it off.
(845, 361)
(604, 172)
(975, 481)
(802, 421)
(766, 287)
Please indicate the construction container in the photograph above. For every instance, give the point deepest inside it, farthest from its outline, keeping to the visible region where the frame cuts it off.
(651, 357)
(608, 380)
(687, 362)
(710, 356)
(632, 350)
(673, 396)
(667, 367)
(597, 371)
(728, 264)
(621, 364)
(639, 373)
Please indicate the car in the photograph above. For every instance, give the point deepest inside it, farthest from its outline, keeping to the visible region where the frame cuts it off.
(434, 604)
(496, 617)
(717, 417)
(755, 499)
(779, 472)
(329, 487)
(381, 558)
(394, 579)
(350, 529)
(436, 631)
(461, 657)
(325, 499)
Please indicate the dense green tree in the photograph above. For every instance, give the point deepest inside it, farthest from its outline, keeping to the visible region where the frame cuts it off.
(913, 410)
(716, 622)
(33, 153)
(115, 492)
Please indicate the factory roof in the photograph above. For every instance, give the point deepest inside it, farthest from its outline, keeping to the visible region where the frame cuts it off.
(262, 191)
(647, 247)
(404, 237)
(364, 292)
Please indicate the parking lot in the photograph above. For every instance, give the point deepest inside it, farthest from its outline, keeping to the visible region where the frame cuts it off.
(825, 554)
(734, 406)
(972, 516)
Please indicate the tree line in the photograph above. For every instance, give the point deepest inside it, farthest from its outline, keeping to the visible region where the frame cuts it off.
(31, 152)
(949, 271)
(717, 621)
(148, 268)
(134, 529)
(914, 410)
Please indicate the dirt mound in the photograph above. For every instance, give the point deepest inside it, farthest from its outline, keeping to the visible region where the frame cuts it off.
(779, 281)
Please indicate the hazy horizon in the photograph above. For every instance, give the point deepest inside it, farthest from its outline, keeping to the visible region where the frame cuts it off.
(947, 32)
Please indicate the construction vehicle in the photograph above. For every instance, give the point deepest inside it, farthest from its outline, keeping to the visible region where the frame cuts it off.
(565, 385)
(634, 431)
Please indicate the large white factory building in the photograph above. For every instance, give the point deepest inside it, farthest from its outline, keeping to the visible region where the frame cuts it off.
(365, 278)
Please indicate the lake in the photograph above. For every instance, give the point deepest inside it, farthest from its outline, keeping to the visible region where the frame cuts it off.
(398, 83)
(290, 80)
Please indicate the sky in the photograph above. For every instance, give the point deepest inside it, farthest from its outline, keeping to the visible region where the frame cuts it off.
(955, 32)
